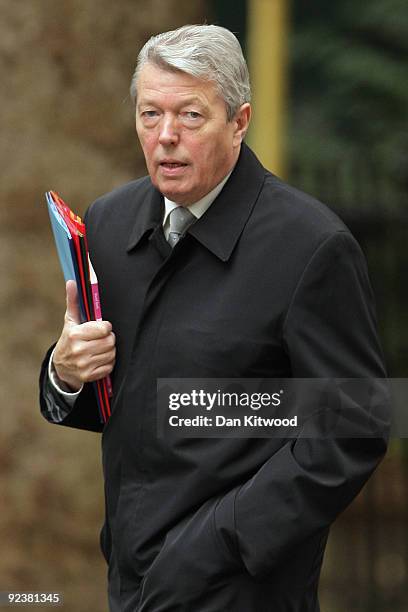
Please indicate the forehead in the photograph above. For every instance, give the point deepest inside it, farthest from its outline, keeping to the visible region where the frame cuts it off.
(157, 82)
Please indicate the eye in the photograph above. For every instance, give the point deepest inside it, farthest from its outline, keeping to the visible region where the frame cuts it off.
(191, 118)
(193, 115)
(149, 117)
(149, 114)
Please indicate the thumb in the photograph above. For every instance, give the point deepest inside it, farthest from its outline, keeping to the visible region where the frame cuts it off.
(72, 314)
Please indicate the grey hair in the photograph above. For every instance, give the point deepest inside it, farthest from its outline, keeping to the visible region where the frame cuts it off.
(208, 52)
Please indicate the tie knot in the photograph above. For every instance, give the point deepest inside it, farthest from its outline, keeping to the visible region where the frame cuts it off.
(180, 220)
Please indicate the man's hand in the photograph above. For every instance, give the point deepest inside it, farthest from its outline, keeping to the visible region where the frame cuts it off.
(85, 352)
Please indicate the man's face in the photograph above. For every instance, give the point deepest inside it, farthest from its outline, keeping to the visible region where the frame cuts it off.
(181, 121)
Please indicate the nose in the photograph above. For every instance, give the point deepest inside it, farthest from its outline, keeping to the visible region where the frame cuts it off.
(169, 134)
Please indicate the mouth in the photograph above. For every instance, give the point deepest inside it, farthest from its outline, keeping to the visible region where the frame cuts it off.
(172, 164)
(172, 169)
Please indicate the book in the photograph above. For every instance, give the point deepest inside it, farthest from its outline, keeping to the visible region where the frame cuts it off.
(72, 248)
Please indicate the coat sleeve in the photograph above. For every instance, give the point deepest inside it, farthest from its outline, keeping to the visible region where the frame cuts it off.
(329, 331)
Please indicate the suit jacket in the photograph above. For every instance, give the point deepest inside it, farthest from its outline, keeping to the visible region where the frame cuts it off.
(268, 283)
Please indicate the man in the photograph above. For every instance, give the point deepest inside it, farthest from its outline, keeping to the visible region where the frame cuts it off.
(255, 280)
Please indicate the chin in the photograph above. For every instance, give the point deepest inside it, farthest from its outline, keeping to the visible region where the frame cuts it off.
(178, 196)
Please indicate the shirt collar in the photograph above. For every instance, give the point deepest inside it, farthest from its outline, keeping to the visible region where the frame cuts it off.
(197, 208)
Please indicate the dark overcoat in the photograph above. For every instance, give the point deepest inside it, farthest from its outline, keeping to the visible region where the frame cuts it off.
(267, 283)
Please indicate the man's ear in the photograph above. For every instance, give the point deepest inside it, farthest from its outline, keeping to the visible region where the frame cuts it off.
(241, 122)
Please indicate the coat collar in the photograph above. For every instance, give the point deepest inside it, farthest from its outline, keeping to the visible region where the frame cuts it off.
(149, 215)
(221, 226)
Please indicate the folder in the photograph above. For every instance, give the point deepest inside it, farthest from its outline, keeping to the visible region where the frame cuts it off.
(72, 247)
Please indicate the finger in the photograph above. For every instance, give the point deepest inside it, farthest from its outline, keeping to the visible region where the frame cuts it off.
(87, 363)
(100, 372)
(91, 330)
(72, 313)
(101, 346)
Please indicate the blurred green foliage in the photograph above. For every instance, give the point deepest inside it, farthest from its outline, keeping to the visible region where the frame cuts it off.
(348, 137)
(349, 83)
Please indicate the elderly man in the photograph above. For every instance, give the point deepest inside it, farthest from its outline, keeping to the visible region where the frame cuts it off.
(213, 267)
